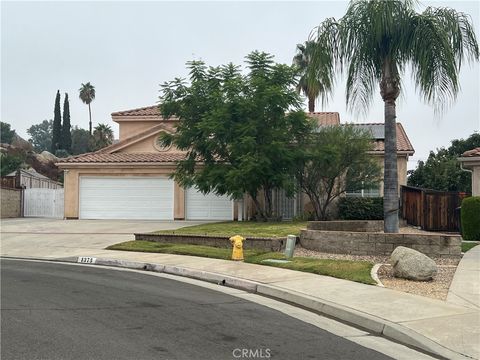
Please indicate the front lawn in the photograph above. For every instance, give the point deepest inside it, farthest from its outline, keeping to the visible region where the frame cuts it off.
(468, 245)
(358, 271)
(243, 228)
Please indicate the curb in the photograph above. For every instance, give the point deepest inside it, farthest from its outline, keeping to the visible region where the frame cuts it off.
(373, 324)
(374, 274)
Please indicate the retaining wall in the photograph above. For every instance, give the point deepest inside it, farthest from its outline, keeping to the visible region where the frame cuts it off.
(370, 243)
(267, 244)
(11, 200)
(347, 225)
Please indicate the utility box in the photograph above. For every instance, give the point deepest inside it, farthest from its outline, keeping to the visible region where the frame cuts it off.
(290, 246)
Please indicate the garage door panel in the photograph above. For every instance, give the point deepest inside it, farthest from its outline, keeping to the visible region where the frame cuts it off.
(126, 198)
(207, 207)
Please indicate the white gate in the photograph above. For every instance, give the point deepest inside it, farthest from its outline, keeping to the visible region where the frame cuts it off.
(43, 203)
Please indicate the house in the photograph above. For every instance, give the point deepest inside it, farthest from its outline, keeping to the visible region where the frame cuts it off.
(470, 161)
(29, 178)
(130, 179)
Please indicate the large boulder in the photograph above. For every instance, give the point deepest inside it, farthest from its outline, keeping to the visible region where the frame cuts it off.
(412, 265)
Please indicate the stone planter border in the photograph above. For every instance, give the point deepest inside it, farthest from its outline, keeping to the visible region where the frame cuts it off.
(258, 243)
(374, 243)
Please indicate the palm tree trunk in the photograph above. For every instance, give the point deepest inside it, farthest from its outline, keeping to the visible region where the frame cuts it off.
(311, 104)
(90, 116)
(390, 194)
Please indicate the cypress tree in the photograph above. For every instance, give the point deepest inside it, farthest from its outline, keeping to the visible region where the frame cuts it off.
(66, 134)
(57, 125)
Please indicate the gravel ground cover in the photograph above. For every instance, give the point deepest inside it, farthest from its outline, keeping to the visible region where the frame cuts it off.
(437, 288)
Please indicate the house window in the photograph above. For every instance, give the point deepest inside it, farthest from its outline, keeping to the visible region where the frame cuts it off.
(373, 191)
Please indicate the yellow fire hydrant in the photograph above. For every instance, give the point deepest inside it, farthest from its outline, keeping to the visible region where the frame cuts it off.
(237, 243)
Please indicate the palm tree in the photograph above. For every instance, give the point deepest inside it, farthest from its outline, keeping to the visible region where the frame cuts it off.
(87, 95)
(102, 136)
(373, 43)
(309, 83)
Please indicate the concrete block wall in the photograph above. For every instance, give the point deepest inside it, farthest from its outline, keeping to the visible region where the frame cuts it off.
(368, 243)
(266, 244)
(347, 225)
(11, 200)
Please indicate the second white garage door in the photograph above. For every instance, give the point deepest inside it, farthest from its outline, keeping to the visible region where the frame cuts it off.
(207, 207)
(126, 198)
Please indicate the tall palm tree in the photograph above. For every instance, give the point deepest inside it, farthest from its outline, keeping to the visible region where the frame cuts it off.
(309, 83)
(87, 95)
(102, 136)
(374, 42)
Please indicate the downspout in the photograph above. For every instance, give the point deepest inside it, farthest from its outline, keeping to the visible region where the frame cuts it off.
(463, 169)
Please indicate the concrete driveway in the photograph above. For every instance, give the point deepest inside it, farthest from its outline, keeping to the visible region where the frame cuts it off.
(53, 238)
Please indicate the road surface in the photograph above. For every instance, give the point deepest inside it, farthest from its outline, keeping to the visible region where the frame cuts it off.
(57, 311)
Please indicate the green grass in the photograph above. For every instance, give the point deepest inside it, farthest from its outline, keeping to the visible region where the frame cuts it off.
(358, 271)
(468, 245)
(244, 228)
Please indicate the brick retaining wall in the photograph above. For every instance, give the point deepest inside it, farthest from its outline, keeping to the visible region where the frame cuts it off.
(267, 244)
(370, 243)
(11, 203)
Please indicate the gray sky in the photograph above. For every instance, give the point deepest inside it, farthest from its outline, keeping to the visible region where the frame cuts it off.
(126, 49)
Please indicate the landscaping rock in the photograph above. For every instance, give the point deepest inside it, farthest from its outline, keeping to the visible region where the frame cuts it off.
(412, 265)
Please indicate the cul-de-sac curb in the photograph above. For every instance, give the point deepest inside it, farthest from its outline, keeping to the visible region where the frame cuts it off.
(374, 324)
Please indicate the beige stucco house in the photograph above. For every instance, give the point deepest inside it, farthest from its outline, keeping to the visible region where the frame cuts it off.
(470, 161)
(130, 179)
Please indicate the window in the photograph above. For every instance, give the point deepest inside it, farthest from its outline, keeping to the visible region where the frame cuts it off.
(368, 192)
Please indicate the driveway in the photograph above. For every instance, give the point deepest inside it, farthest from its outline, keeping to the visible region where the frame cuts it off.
(53, 238)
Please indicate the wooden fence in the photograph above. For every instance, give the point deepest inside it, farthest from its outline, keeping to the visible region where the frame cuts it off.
(430, 209)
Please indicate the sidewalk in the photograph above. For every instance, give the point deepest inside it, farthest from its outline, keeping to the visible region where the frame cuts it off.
(465, 287)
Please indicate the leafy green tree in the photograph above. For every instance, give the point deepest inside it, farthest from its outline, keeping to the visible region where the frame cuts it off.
(81, 141)
(6, 133)
(373, 43)
(309, 83)
(442, 170)
(41, 136)
(66, 134)
(10, 163)
(102, 136)
(335, 160)
(239, 127)
(57, 125)
(87, 95)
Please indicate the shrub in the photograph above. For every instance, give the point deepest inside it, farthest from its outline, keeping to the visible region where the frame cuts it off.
(471, 218)
(359, 208)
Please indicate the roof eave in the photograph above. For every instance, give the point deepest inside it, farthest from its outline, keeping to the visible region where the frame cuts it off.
(114, 164)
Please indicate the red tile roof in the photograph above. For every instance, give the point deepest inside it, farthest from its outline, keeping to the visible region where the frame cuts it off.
(122, 157)
(325, 118)
(144, 111)
(403, 143)
(472, 153)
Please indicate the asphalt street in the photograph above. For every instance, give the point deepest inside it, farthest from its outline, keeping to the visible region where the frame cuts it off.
(55, 311)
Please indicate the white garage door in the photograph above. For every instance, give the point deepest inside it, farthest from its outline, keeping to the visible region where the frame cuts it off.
(126, 198)
(207, 207)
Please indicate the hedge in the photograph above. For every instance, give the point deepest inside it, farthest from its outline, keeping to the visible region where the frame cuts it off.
(470, 217)
(360, 208)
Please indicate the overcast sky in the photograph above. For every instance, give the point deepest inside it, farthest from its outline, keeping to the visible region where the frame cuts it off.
(127, 49)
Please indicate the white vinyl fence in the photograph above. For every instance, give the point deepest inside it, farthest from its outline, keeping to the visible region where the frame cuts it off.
(43, 203)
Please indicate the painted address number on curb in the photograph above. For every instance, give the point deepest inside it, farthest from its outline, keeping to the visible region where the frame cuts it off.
(86, 260)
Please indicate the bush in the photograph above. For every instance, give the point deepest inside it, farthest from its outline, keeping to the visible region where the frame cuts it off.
(471, 218)
(358, 208)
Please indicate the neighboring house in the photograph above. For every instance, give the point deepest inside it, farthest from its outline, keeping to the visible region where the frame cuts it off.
(470, 161)
(29, 178)
(130, 179)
